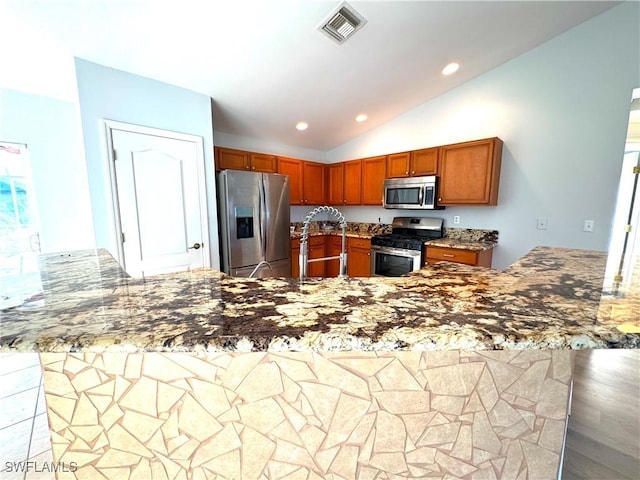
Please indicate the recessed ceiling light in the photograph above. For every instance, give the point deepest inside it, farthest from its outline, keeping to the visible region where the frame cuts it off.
(362, 117)
(302, 125)
(451, 68)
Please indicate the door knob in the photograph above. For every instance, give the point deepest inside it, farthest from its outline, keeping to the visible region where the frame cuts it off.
(195, 246)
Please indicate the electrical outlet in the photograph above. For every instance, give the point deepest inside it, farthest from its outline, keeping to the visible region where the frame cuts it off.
(588, 226)
(542, 223)
(456, 219)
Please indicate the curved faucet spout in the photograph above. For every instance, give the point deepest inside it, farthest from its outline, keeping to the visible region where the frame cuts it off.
(305, 235)
(259, 266)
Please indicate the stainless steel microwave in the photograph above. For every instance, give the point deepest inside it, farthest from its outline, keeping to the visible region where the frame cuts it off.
(417, 193)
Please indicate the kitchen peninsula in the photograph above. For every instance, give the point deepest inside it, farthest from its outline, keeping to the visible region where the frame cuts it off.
(453, 370)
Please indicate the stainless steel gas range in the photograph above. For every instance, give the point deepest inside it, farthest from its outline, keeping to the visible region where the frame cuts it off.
(401, 251)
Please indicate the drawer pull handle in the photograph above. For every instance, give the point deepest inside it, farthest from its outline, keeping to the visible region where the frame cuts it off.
(450, 255)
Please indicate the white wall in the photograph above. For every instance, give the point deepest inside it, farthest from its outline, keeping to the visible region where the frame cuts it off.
(107, 93)
(50, 128)
(561, 110)
(222, 139)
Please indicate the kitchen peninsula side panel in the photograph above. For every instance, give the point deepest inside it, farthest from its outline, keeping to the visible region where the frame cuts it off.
(490, 414)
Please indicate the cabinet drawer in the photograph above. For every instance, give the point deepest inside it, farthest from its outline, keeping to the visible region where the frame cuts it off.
(359, 242)
(452, 255)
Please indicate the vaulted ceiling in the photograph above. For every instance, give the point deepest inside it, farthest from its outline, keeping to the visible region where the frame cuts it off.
(267, 66)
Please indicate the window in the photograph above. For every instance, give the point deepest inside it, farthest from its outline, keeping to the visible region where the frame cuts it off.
(19, 230)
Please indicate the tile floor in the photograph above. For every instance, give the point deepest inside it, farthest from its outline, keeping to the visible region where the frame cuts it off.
(24, 431)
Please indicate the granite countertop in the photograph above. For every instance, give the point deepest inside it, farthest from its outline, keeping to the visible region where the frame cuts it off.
(551, 298)
(460, 244)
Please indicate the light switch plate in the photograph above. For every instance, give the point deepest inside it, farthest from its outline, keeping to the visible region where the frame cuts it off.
(542, 223)
(588, 226)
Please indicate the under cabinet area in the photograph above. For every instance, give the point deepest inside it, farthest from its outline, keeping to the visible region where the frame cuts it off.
(478, 258)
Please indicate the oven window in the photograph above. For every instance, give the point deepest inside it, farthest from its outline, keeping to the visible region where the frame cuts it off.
(403, 196)
(389, 265)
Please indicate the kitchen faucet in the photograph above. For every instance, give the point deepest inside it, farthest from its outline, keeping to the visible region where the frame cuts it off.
(304, 260)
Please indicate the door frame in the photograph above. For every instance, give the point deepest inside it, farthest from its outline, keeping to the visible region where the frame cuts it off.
(109, 127)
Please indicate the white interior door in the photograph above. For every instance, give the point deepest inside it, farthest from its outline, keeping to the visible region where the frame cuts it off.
(161, 200)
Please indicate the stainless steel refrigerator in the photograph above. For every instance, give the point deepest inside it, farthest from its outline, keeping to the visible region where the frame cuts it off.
(254, 224)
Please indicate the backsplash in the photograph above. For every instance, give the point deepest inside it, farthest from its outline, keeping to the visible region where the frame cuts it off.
(471, 235)
(462, 234)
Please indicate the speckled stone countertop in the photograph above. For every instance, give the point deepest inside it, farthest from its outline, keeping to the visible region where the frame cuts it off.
(551, 298)
(460, 244)
(467, 239)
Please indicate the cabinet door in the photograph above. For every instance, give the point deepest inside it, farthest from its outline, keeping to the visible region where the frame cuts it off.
(231, 159)
(293, 168)
(295, 257)
(336, 183)
(373, 175)
(334, 247)
(313, 183)
(398, 165)
(359, 257)
(424, 162)
(470, 173)
(352, 182)
(316, 249)
(263, 163)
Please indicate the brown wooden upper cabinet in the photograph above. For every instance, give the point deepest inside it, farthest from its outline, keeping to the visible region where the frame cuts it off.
(293, 168)
(424, 162)
(313, 183)
(373, 175)
(228, 158)
(469, 172)
(398, 165)
(413, 164)
(306, 180)
(345, 183)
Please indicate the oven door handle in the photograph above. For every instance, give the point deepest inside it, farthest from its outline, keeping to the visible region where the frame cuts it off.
(397, 251)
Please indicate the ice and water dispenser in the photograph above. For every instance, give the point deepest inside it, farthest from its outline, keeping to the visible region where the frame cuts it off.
(244, 222)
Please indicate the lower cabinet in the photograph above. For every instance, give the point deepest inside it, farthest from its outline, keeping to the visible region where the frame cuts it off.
(315, 249)
(334, 248)
(459, 255)
(358, 257)
(295, 257)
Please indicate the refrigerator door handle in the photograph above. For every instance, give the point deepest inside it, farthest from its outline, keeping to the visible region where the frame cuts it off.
(263, 219)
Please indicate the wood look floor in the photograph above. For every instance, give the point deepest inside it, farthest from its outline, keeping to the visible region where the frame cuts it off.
(603, 437)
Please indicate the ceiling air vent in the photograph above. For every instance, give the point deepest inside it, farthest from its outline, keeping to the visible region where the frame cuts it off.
(342, 23)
